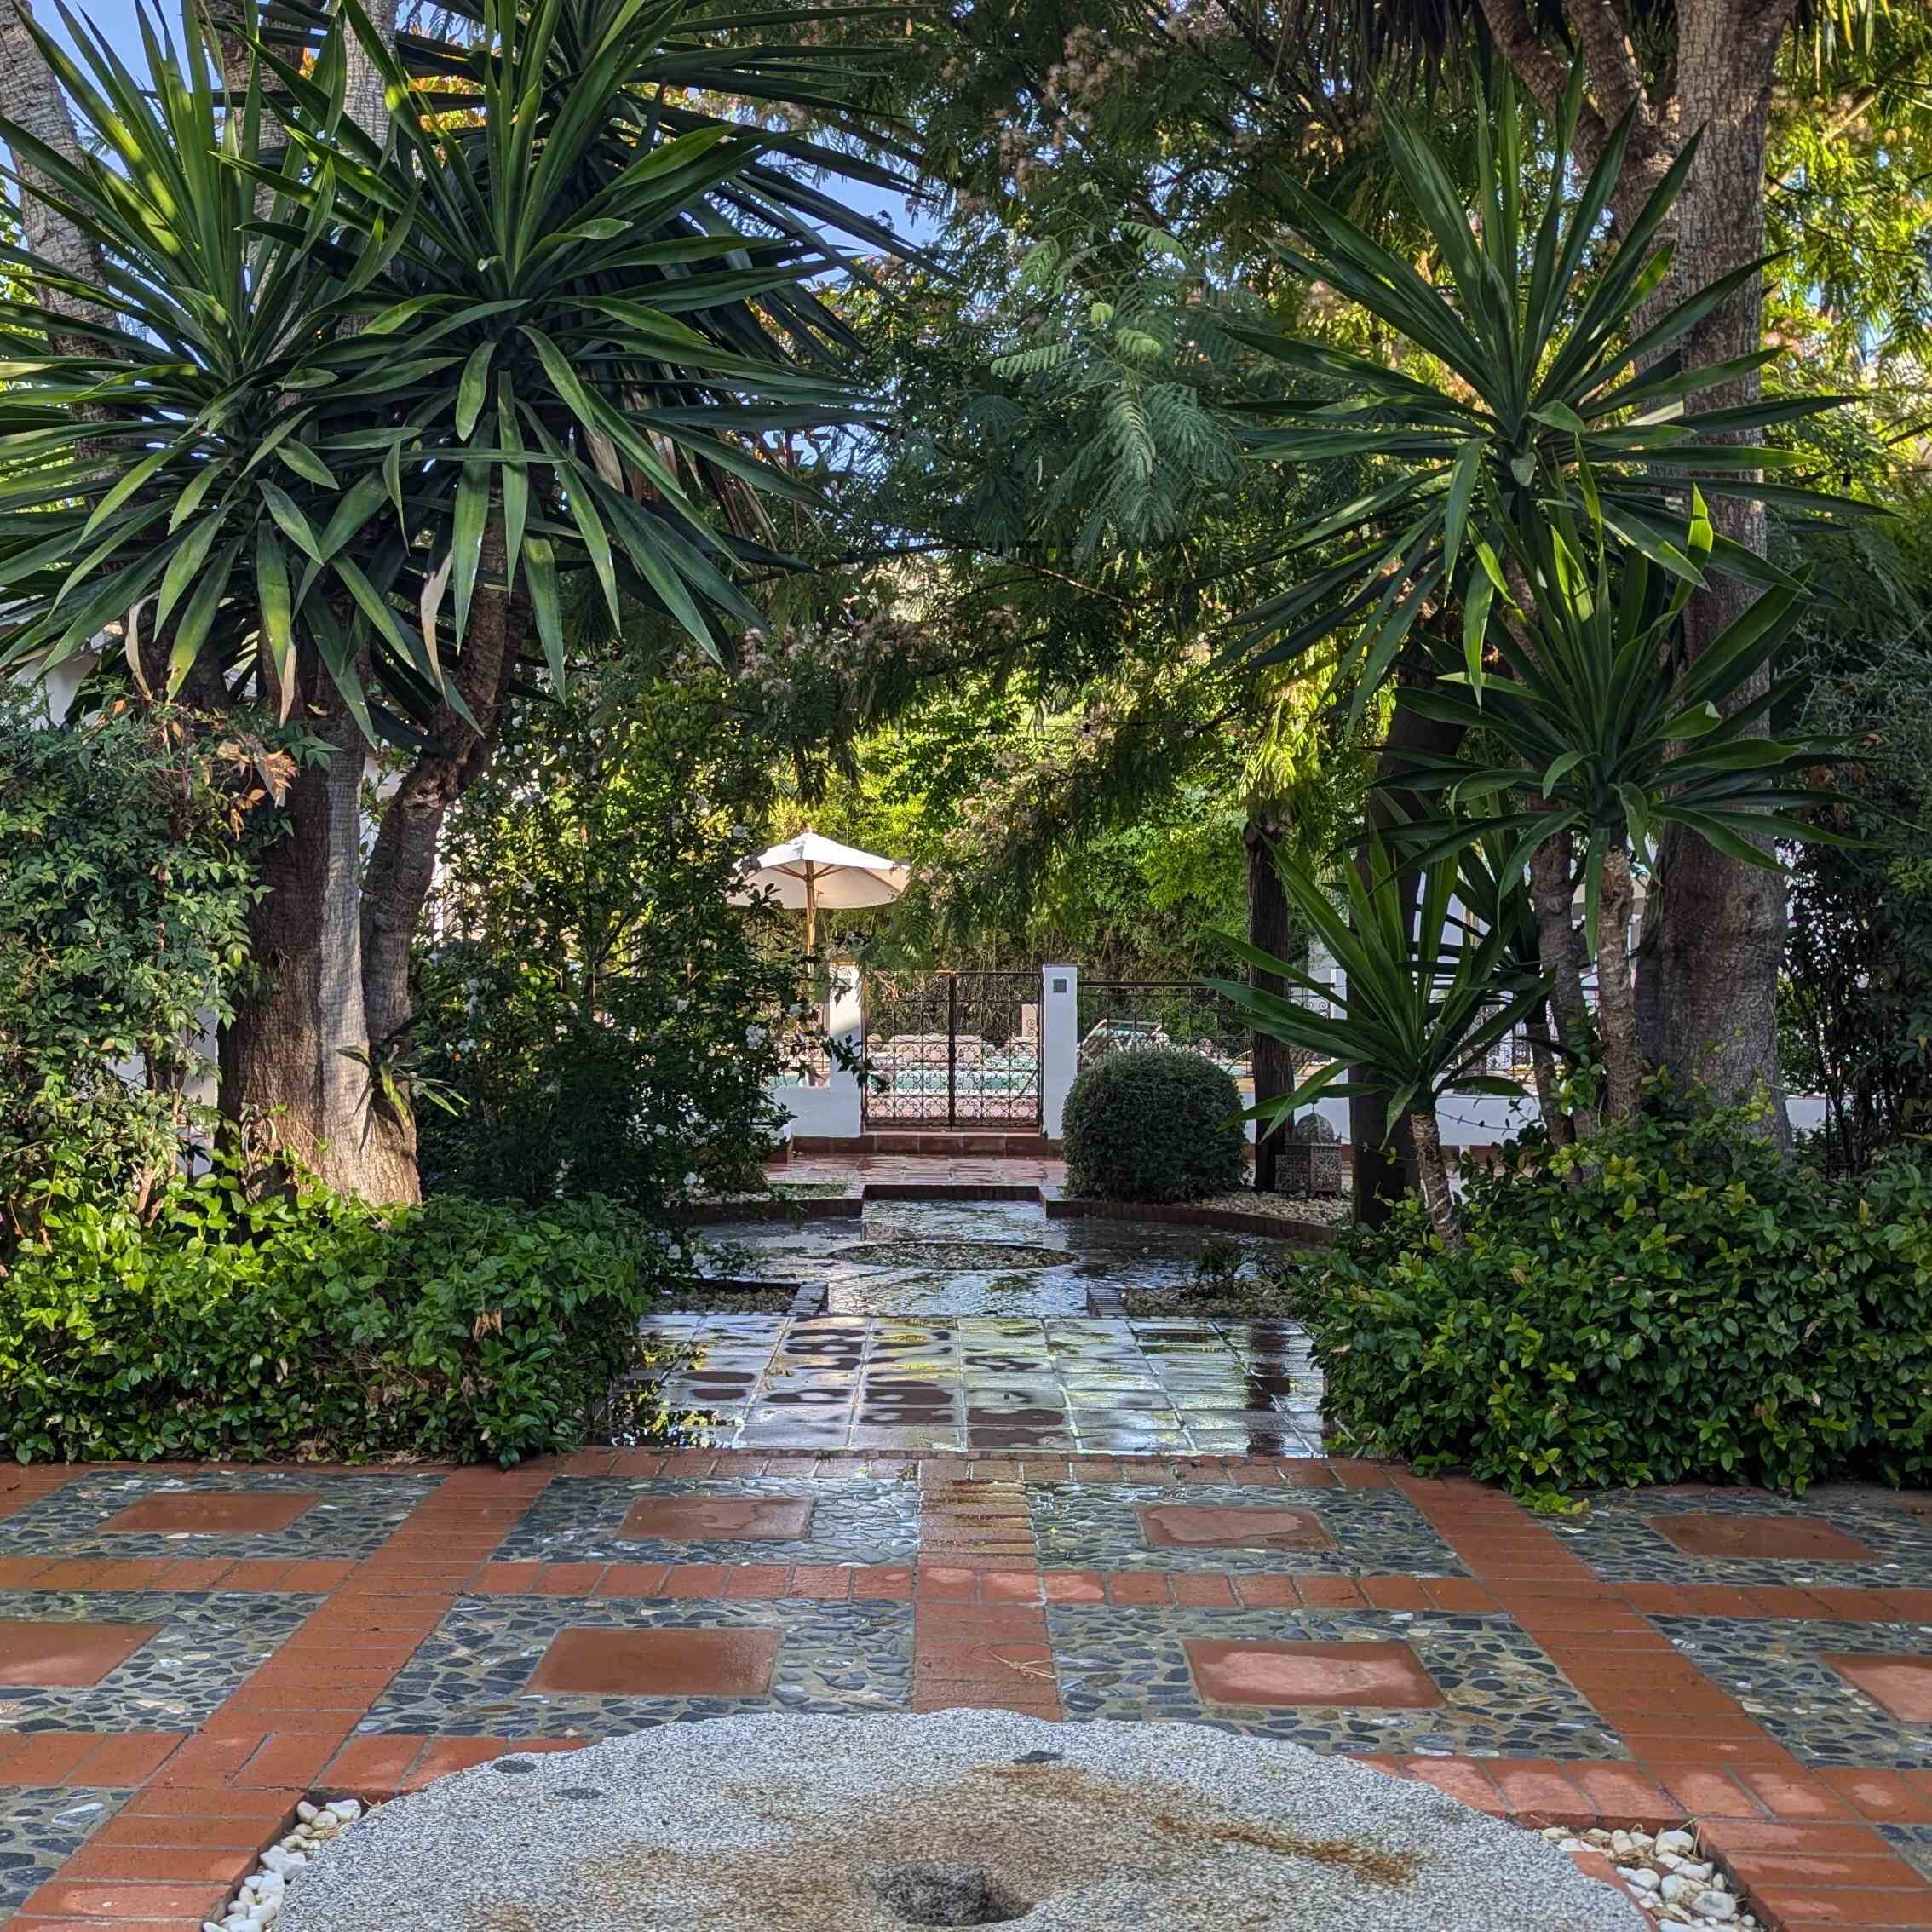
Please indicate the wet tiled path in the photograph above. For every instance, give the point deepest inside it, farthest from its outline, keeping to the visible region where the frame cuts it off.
(1071, 1384)
(185, 1653)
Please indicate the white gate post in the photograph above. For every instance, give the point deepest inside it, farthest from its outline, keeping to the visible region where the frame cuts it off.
(1060, 1043)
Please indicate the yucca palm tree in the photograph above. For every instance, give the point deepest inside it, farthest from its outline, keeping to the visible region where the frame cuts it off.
(369, 396)
(1424, 997)
(1602, 729)
(1536, 366)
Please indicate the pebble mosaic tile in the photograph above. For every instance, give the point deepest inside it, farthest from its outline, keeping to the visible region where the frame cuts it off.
(1883, 1545)
(1502, 1697)
(1779, 1671)
(1371, 1531)
(206, 1643)
(470, 1677)
(40, 1830)
(582, 1519)
(332, 1515)
(1912, 1843)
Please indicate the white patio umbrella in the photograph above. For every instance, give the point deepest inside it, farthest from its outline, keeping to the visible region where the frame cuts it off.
(812, 872)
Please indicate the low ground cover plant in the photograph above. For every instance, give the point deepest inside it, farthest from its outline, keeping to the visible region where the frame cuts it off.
(1671, 1303)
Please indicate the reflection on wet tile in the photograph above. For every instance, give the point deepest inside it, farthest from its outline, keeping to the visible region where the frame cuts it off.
(1028, 1378)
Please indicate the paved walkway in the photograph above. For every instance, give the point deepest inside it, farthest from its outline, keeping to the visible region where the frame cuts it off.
(186, 1652)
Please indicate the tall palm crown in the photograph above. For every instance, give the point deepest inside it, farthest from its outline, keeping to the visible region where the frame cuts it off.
(543, 303)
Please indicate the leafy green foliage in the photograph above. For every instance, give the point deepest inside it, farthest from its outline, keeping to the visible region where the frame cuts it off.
(569, 312)
(1535, 369)
(1856, 1005)
(1153, 1123)
(1423, 997)
(123, 900)
(1602, 727)
(608, 1021)
(315, 1325)
(1672, 1302)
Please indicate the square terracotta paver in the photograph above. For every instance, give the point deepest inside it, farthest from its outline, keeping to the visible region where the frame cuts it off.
(1388, 1675)
(721, 1519)
(1188, 1525)
(587, 1662)
(212, 1512)
(66, 1656)
(1794, 1539)
(1901, 1685)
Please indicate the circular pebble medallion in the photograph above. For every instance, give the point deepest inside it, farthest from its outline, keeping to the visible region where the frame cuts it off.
(956, 1818)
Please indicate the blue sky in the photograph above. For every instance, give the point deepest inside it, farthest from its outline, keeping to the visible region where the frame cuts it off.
(115, 20)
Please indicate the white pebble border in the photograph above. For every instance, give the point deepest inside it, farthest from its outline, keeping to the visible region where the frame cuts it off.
(258, 1903)
(1664, 1872)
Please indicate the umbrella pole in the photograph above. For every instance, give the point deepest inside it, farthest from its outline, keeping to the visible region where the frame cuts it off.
(811, 906)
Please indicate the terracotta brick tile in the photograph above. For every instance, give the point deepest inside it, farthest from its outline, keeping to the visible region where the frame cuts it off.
(289, 1757)
(894, 1585)
(371, 1766)
(1461, 1778)
(1209, 1592)
(1701, 1789)
(205, 1864)
(1134, 1586)
(1073, 1586)
(939, 1583)
(127, 1760)
(694, 1580)
(1330, 1593)
(1803, 1907)
(1888, 1796)
(1623, 1795)
(1538, 1790)
(1395, 1593)
(45, 1757)
(759, 1580)
(1460, 1595)
(1267, 1593)
(1787, 1794)
(112, 1899)
(1739, 1837)
(1010, 1586)
(1875, 1870)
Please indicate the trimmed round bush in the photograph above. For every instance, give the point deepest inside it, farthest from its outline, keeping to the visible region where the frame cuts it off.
(1669, 1303)
(1153, 1123)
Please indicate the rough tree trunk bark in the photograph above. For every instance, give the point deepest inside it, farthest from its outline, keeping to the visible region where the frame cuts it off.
(1624, 1065)
(1713, 930)
(31, 97)
(1552, 891)
(1432, 1172)
(1269, 928)
(283, 1059)
(304, 1054)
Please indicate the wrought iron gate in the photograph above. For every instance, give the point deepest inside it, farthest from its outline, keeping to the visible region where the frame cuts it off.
(957, 1049)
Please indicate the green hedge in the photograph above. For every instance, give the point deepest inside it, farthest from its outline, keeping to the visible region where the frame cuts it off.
(315, 1327)
(1679, 1305)
(1153, 1123)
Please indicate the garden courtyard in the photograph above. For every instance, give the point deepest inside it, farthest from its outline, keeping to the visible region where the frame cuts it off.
(966, 966)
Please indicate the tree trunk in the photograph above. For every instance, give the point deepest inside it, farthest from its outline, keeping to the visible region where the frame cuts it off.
(1557, 1123)
(402, 865)
(31, 97)
(1432, 1171)
(1552, 890)
(1271, 928)
(1616, 1003)
(1713, 940)
(286, 1057)
(365, 89)
(1714, 932)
